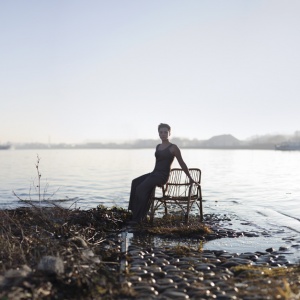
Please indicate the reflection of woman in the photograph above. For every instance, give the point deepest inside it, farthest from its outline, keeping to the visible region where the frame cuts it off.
(142, 187)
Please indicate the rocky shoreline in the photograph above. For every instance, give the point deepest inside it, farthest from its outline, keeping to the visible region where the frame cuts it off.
(182, 273)
(55, 253)
(185, 272)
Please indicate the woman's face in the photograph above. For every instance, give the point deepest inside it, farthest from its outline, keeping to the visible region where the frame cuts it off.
(164, 133)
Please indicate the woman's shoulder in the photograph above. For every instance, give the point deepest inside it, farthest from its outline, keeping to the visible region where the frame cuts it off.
(174, 148)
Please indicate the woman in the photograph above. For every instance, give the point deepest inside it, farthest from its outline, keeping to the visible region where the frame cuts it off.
(142, 187)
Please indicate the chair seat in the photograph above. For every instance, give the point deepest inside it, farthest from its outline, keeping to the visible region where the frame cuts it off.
(179, 191)
(193, 197)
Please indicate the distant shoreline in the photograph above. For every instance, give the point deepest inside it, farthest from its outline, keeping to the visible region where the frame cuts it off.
(225, 141)
(66, 147)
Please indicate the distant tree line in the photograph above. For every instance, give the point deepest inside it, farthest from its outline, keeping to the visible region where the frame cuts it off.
(225, 141)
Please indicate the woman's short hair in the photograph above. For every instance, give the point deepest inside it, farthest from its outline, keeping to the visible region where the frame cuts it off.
(163, 125)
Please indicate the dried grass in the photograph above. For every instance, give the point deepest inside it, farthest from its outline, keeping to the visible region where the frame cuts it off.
(29, 233)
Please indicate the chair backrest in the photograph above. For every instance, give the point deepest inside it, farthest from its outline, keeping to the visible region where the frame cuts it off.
(178, 184)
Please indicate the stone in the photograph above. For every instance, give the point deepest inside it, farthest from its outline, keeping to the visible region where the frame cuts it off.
(164, 281)
(22, 272)
(51, 264)
(270, 250)
(175, 294)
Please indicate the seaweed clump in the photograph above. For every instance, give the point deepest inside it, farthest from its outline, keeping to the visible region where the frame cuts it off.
(175, 227)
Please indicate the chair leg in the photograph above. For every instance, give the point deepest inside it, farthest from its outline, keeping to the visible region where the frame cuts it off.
(188, 211)
(151, 219)
(186, 218)
(166, 209)
(201, 210)
(200, 206)
(152, 211)
(152, 205)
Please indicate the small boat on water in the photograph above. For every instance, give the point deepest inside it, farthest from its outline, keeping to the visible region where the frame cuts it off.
(288, 146)
(5, 147)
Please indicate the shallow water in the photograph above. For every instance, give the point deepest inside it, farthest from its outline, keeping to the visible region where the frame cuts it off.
(288, 247)
(258, 190)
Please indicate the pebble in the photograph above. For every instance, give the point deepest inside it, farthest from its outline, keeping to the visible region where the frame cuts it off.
(199, 275)
(51, 264)
(175, 295)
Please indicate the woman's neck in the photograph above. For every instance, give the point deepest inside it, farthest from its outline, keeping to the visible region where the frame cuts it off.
(166, 142)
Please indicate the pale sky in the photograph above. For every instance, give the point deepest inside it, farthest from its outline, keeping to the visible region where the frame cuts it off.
(94, 70)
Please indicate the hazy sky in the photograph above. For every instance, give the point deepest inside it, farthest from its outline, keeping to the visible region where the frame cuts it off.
(92, 70)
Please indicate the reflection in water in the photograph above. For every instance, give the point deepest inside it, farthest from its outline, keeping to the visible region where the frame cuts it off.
(143, 240)
(135, 238)
(231, 245)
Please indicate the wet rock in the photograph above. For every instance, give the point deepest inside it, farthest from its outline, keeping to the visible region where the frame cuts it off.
(216, 253)
(161, 262)
(135, 279)
(202, 267)
(283, 248)
(226, 255)
(241, 261)
(135, 269)
(209, 283)
(160, 274)
(230, 264)
(165, 281)
(139, 263)
(270, 250)
(176, 277)
(226, 297)
(249, 255)
(169, 267)
(202, 275)
(165, 287)
(146, 275)
(144, 288)
(174, 261)
(175, 294)
(249, 234)
(183, 284)
(199, 291)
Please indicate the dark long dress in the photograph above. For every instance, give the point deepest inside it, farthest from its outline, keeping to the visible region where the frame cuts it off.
(142, 187)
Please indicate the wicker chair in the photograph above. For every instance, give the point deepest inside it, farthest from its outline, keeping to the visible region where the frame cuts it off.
(178, 191)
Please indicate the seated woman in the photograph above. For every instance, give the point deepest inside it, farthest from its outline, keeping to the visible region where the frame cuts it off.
(142, 187)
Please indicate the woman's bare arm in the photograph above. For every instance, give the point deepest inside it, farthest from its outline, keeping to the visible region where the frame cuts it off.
(177, 153)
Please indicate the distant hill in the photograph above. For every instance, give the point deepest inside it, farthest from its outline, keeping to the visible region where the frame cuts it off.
(222, 141)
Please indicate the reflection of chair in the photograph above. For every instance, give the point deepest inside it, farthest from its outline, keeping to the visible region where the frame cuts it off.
(178, 191)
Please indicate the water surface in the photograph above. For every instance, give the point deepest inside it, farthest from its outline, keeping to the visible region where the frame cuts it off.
(257, 189)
